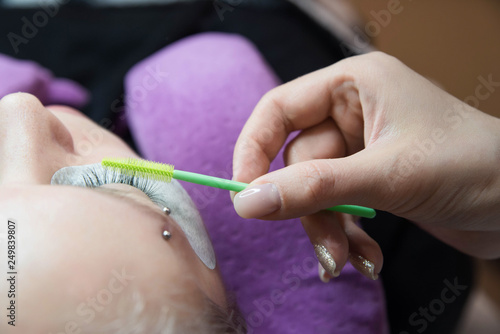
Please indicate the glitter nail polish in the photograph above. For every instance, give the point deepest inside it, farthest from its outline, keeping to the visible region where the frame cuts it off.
(363, 265)
(326, 260)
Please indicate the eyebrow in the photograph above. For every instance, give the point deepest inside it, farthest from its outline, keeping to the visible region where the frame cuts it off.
(119, 194)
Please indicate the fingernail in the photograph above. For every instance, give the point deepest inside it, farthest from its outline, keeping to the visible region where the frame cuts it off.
(326, 260)
(257, 201)
(323, 276)
(363, 265)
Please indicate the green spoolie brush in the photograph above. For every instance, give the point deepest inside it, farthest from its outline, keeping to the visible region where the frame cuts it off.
(165, 173)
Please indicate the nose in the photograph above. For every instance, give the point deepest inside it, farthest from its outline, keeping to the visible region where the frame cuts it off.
(34, 143)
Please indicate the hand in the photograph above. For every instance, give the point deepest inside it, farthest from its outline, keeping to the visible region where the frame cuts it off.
(373, 133)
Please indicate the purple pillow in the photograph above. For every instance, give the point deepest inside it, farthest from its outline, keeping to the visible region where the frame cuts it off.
(29, 77)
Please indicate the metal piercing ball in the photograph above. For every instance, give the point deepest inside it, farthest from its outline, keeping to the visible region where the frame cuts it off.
(166, 210)
(166, 235)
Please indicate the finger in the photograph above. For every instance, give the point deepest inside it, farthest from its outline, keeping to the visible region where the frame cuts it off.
(322, 141)
(364, 253)
(348, 91)
(299, 104)
(323, 275)
(319, 142)
(325, 141)
(308, 187)
(329, 240)
(265, 133)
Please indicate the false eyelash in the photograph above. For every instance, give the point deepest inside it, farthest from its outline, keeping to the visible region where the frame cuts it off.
(95, 177)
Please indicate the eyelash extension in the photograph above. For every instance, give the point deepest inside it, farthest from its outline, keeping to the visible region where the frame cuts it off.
(95, 177)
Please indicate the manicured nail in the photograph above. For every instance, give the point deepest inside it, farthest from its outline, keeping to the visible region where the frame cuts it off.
(326, 260)
(323, 276)
(363, 265)
(257, 201)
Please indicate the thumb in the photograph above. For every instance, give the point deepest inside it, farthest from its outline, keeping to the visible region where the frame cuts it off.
(307, 187)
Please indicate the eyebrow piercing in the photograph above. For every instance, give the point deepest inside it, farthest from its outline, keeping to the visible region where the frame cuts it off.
(166, 235)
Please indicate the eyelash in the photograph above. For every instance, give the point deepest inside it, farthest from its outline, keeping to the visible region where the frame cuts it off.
(97, 177)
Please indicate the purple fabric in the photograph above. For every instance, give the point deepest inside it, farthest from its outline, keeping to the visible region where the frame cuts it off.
(186, 106)
(29, 77)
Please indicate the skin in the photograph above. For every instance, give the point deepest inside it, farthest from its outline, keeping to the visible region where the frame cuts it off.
(71, 240)
(375, 133)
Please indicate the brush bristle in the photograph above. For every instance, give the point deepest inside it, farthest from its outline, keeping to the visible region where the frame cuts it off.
(141, 168)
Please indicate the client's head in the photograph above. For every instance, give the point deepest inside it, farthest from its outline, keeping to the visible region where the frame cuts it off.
(91, 254)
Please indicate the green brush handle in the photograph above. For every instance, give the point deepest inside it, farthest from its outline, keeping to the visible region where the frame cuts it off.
(216, 182)
(211, 181)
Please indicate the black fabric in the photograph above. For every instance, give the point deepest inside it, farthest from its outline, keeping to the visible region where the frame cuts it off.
(417, 270)
(97, 46)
